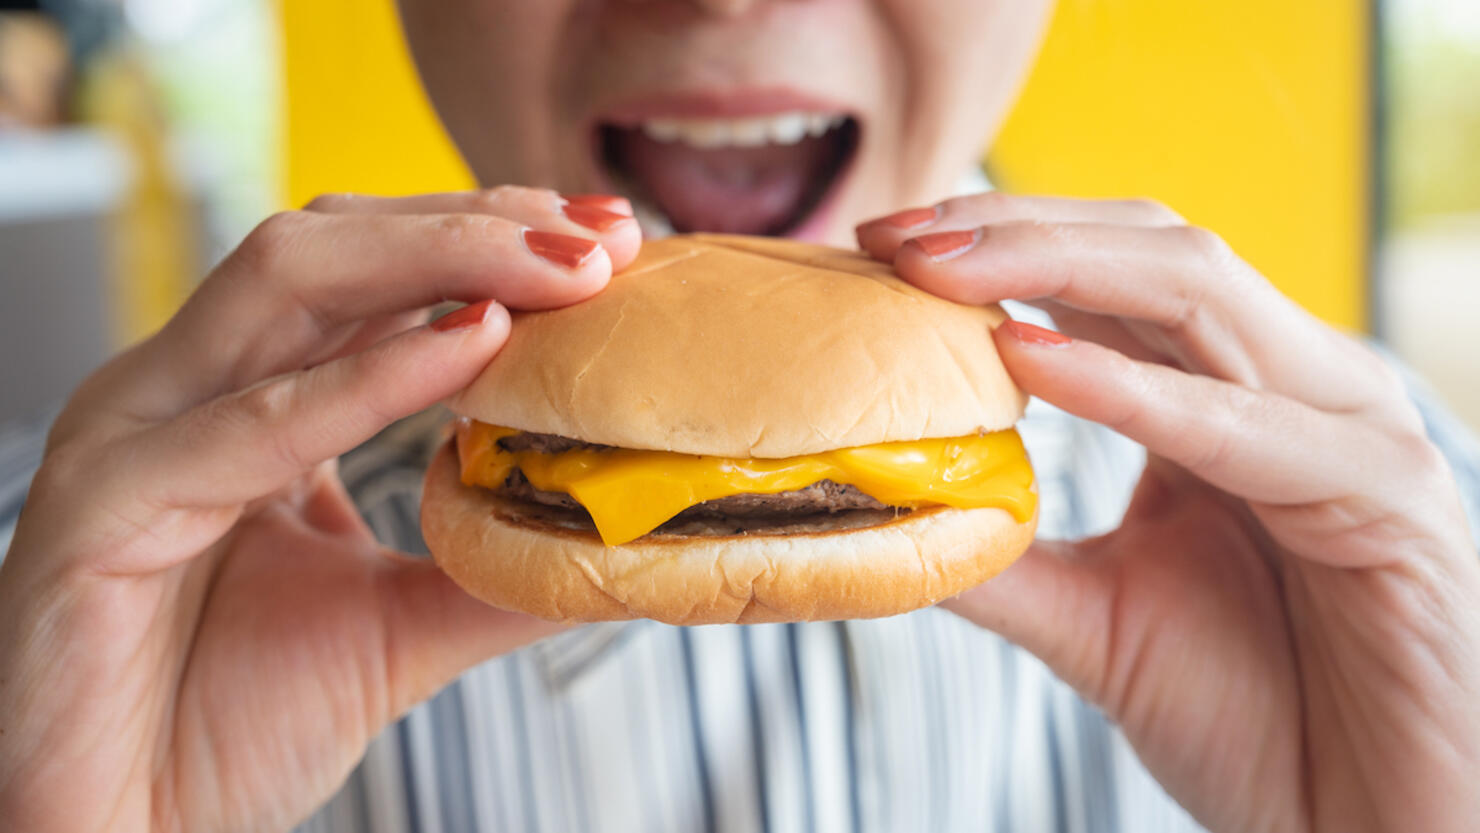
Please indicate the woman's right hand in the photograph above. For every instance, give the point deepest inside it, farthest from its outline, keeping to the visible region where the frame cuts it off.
(200, 632)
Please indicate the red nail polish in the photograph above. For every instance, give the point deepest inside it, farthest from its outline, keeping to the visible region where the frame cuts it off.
(593, 217)
(560, 249)
(610, 202)
(1034, 334)
(911, 219)
(945, 245)
(463, 318)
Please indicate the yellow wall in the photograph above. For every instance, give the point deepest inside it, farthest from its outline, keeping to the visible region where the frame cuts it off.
(1248, 117)
(357, 119)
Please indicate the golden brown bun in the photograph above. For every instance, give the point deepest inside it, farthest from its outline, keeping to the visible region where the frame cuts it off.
(566, 575)
(750, 347)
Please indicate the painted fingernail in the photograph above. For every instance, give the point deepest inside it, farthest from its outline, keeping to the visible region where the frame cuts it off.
(1034, 334)
(945, 245)
(592, 217)
(560, 249)
(463, 318)
(911, 218)
(611, 202)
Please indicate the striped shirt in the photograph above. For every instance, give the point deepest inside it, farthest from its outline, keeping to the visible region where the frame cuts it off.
(920, 722)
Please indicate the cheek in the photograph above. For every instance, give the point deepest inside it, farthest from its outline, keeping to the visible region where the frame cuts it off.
(962, 63)
(489, 67)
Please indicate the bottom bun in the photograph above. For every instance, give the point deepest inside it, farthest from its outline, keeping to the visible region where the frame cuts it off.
(569, 575)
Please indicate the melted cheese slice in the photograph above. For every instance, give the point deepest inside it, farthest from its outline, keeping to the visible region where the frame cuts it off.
(629, 493)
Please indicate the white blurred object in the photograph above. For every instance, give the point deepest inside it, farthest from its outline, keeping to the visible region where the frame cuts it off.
(166, 21)
(59, 191)
(215, 65)
(1431, 306)
(1457, 18)
(56, 173)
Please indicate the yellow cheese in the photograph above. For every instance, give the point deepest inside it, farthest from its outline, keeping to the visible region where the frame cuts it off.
(629, 493)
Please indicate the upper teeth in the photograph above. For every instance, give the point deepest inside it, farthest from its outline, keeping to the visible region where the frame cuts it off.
(781, 129)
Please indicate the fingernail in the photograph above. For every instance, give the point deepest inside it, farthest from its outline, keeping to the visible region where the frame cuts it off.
(593, 217)
(911, 219)
(945, 245)
(1034, 334)
(560, 249)
(611, 202)
(463, 318)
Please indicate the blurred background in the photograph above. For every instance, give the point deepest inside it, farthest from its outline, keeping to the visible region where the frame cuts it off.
(1335, 143)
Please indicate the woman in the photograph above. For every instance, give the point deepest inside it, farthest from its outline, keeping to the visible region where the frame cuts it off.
(203, 633)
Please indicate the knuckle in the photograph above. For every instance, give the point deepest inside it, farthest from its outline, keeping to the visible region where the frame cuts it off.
(1389, 375)
(1206, 245)
(265, 410)
(1034, 235)
(1428, 456)
(1217, 272)
(1215, 449)
(330, 203)
(265, 404)
(499, 198)
(1387, 380)
(1052, 231)
(454, 231)
(272, 241)
(1415, 461)
(1129, 411)
(990, 205)
(62, 469)
(493, 199)
(1153, 211)
(1419, 452)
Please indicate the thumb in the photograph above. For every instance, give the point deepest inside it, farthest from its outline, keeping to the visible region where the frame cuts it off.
(1056, 604)
(435, 631)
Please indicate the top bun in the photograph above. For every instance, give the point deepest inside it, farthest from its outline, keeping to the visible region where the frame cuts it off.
(750, 347)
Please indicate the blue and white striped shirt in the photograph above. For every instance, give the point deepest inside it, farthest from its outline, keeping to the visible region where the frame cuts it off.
(921, 722)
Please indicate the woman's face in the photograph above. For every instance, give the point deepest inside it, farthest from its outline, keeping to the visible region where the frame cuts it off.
(795, 117)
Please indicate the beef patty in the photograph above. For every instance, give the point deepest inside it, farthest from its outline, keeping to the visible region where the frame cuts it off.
(824, 497)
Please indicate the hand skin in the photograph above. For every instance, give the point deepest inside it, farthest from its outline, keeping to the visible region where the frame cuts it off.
(201, 634)
(1287, 622)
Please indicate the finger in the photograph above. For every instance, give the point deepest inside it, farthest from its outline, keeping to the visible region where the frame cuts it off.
(364, 334)
(605, 217)
(883, 236)
(438, 631)
(511, 201)
(250, 443)
(1259, 446)
(301, 278)
(1123, 335)
(169, 491)
(1207, 308)
(1051, 604)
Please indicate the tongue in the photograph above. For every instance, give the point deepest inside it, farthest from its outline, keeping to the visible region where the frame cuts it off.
(757, 190)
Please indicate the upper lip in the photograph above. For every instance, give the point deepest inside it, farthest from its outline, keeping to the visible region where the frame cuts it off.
(714, 103)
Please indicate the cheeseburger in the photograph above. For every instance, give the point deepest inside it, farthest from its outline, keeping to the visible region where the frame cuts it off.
(736, 430)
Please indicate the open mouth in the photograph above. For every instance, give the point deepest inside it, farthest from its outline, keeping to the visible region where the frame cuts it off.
(766, 174)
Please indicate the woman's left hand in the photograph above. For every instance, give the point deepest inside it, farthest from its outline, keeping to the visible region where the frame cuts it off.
(1287, 622)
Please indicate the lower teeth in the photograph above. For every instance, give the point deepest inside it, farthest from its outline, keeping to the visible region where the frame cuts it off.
(655, 222)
